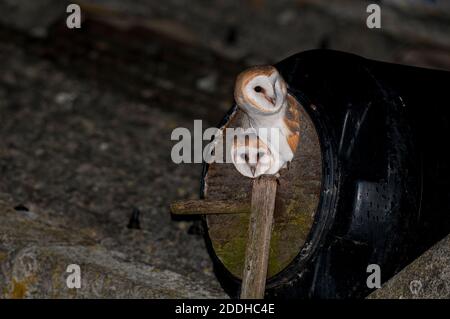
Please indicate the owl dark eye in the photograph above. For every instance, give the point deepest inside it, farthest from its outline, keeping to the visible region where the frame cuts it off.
(258, 89)
(259, 155)
(245, 157)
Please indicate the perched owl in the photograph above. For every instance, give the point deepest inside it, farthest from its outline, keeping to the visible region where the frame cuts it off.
(263, 103)
(252, 157)
(261, 93)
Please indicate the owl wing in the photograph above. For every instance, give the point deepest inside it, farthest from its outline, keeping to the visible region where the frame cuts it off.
(292, 122)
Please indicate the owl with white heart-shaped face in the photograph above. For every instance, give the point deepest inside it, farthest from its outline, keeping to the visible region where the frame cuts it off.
(262, 93)
(252, 157)
(264, 106)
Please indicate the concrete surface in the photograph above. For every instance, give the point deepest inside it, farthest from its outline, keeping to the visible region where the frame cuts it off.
(428, 277)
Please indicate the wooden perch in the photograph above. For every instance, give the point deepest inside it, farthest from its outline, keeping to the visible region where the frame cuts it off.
(259, 233)
(194, 207)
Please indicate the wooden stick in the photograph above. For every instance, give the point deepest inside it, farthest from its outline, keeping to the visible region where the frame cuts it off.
(259, 233)
(193, 207)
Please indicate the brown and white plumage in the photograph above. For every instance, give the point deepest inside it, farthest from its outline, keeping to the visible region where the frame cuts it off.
(251, 156)
(263, 103)
(261, 93)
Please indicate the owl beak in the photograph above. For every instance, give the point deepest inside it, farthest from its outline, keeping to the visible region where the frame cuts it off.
(253, 170)
(270, 99)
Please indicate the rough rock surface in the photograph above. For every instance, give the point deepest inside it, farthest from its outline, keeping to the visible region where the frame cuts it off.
(80, 156)
(279, 28)
(35, 252)
(427, 277)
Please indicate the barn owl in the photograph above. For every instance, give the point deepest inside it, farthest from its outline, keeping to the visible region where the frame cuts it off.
(261, 93)
(252, 157)
(262, 102)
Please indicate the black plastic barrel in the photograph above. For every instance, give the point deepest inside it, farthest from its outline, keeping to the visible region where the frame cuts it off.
(385, 197)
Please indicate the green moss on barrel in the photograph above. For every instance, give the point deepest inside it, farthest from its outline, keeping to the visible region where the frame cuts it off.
(297, 199)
